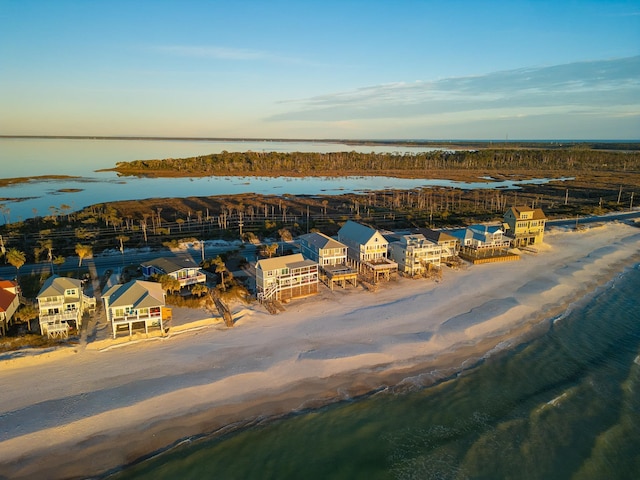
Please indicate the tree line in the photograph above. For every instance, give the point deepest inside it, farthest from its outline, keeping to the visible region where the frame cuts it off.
(311, 163)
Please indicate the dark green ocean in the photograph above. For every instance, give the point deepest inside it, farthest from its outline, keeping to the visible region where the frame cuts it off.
(563, 406)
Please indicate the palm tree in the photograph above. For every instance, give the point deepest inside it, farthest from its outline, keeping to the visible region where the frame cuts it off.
(199, 289)
(83, 251)
(270, 250)
(16, 258)
(169, 284)
(25, 314)
(59, 261)
(220, 268)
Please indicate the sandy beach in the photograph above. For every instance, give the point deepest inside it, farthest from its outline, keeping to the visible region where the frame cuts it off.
(86, 410)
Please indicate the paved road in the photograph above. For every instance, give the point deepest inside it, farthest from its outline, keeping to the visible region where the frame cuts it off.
(628, 217)
(115, 262)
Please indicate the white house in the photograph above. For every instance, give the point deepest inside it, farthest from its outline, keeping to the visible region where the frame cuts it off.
(9, 303)
(413, 253)
(183, 269)
(136, 302)
(62, 303)
(365, 244)
(367, 250)
(323, 249)
(479, 239)
(331, 256)
(449, 244)
(286, 277)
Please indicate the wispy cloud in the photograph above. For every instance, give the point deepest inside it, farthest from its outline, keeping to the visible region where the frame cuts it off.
(605, 84)
(221, 53)
(225, 53)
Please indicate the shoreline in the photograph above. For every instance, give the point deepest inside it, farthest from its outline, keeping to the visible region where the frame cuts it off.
(322, 350)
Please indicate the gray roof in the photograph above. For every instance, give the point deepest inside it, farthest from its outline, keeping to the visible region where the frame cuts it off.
(138, 293)
(302, 264)
(435, 235)
(173, 264)
(356, 232)
(321, 241)
(55, 286)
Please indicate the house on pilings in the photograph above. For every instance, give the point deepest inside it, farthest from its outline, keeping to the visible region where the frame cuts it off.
(286, 278)
(331, 257)
(367, 251)
(137, 304)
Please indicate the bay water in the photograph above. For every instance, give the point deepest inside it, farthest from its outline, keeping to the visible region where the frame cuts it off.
(85, 161)
(564, 405)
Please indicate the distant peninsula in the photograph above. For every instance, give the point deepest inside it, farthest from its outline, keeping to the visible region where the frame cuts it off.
(452, 164)
(624, 145)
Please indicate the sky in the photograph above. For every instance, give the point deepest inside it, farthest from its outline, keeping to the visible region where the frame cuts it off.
(326, 69)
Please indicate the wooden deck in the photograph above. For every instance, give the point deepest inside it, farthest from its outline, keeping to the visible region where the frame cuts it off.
(340, 275)
(509, 257)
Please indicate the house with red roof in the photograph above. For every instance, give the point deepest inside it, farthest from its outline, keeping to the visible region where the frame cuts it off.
(9, 303)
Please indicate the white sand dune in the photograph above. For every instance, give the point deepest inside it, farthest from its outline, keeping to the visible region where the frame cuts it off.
(84, 411)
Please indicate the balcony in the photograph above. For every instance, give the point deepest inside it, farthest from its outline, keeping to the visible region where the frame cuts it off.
(186, 281)
(55, 302)
(71, 315)
(137, 318)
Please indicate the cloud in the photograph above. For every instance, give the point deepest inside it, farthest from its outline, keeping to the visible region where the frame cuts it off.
(599, 85)
(225, 53)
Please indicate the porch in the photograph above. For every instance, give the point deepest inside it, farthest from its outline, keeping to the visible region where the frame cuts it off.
(57, 325)
(160, 318)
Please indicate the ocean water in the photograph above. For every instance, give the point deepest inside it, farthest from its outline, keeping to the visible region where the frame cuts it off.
(565, 405)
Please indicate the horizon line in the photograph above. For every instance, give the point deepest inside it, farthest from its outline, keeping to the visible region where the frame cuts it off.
(324, 140)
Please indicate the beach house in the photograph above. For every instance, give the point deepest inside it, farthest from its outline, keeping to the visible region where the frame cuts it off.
(525, 226)
(450, 245)
(322, 249)
(478, 241)
(136, 304)
(9, 303)
(61, 304)
(287, 277)
(367, 251)
(415, 255)
(182, 268)
(331, 257)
